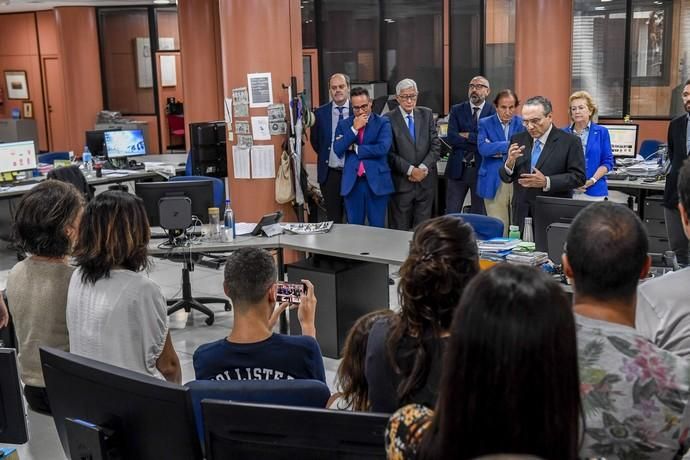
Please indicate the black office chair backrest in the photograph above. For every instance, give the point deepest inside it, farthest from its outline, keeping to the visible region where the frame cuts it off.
(72, 175)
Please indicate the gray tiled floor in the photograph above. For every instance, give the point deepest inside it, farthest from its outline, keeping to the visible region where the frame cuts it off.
(188, 332)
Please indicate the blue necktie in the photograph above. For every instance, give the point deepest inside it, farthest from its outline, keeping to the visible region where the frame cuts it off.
(340, 113)
(410, 126)
(536, 153)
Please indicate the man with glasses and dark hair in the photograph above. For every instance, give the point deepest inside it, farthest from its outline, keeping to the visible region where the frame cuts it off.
(542, 160)
(464, 161)
(329, 167)
(413, 156)
(364, 140)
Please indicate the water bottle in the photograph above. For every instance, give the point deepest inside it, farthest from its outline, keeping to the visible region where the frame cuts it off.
(527, 232)
(228, 223)
(514, 232)
(87, 159)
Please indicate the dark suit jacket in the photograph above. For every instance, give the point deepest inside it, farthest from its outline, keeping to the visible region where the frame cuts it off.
(460, 121)
(405, 152)
(320, 138)
(561, 159)
(677, 133)
(373, 152)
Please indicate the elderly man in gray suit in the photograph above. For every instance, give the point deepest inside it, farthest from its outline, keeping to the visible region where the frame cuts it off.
(413, 156)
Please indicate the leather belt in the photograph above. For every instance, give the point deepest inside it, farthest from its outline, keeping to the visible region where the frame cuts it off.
(337, 169)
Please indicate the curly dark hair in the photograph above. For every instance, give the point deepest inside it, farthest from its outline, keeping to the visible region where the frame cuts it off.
(114, 233)
(42, 217)
(443, 258)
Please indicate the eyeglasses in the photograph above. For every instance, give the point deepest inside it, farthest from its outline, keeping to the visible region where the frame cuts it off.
(477, 86)
(532, 122)
(408, 97)
(357, 108)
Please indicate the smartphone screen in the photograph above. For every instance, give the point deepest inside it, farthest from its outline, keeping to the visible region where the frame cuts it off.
(290, 292)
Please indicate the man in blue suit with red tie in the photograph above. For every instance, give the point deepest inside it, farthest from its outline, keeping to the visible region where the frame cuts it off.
(464, 161)
(364, 140)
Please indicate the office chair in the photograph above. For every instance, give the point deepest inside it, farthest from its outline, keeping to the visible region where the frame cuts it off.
(175, 128)
(649, 147)
(299, 392)
(485, 227)
(50, 157)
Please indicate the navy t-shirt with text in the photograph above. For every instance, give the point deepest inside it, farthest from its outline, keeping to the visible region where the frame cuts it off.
(279, 357)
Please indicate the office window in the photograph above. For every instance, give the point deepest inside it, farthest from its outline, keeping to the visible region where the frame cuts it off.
(465, 46)
(413, 47)
(598, 54)
(350, 40)
(308, 24)
(126, 60)
(499, 46)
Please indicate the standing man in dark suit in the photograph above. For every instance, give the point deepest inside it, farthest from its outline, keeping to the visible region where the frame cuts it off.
(329, 166)
(364, 140)
(464, 161)
(413, 156)
(541, 161)
(678, 149)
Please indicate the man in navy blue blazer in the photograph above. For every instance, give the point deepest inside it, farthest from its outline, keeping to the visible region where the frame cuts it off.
(464, 161)
(364, 140)
(329, 166)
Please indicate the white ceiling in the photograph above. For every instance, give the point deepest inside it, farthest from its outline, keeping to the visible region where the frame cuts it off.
(14, 6)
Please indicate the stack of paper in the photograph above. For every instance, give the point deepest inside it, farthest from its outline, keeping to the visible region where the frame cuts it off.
(496, 248)
(528, 258)
(308, 228)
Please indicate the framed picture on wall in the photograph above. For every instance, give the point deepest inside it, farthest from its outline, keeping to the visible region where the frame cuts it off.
(28, 109)
(17, 88)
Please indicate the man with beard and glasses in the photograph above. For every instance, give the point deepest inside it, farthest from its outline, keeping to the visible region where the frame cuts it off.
(464, 161)
(678, 148)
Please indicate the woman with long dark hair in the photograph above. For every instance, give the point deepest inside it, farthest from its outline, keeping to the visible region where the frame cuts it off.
(403, 363)
(510, 379)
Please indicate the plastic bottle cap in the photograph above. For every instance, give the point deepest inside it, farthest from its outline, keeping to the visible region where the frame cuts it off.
(214, 211)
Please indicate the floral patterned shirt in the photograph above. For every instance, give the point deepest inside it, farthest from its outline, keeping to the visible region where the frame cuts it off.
(405, 430)
(634, 394)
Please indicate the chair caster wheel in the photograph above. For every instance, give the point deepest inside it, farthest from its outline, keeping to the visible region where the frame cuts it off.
(209, 321)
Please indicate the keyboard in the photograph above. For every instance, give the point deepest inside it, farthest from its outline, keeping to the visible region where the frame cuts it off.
(161, 235)
(617, 176)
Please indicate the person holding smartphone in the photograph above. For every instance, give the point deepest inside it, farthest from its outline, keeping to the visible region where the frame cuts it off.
(252, 351)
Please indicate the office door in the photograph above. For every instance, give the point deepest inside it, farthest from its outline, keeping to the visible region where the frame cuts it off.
(58, 138)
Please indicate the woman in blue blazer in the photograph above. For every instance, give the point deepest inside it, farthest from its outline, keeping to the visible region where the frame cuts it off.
(493, 139)
(596, 143)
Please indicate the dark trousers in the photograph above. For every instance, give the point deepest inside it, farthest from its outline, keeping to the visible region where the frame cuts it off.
(456, 190)
(677, 240)
(408, 209)
(363, 203)
(331, 195)
(37, 398)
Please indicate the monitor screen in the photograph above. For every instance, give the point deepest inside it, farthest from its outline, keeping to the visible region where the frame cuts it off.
(239, 431)
(95, 141)
(17, 156)
(126, 143)
(199, 191)
(623, 139)
(550, 210)
(12, 415)
(152, 418)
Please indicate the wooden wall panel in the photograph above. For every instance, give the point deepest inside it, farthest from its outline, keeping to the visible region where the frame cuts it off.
(47, 34)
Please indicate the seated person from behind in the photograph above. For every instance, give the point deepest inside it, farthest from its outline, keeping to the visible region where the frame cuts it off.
(634, 394)
(252, 351)
(45, 227)
(115, 313)
(663, 308)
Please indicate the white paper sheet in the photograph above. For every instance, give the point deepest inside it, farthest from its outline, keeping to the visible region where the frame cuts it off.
(260, 129)
(263, 162)
(260, 89)
(168, 71)
(240, 162)
(244, 228)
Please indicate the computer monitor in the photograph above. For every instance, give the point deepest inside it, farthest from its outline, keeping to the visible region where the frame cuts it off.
(240, 431)
(623, 139)
(17, 156)
(95, 141)
(199, 191)
(550, 210)
(13, 428)
(124, 144)
(150, 418)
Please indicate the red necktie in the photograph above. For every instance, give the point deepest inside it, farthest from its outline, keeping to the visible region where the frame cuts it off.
(360, 139)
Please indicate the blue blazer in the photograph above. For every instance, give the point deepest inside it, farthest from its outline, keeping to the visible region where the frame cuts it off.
(493, 148)
(597, 153)
(378, 138)
(320, 138)
(460, 121)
